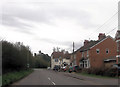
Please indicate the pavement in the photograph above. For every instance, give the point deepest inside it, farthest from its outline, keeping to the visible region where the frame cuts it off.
(50, 77)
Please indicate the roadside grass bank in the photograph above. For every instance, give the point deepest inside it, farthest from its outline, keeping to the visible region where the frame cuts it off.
(11, 77)
(97, 76)
(0, 80)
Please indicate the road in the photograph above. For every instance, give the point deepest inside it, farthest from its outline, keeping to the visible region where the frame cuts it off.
(49, 77)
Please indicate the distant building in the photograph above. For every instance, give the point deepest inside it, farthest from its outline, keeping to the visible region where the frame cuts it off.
(97, 54)
(60, 58)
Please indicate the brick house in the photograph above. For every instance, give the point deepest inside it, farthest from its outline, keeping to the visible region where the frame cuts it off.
(97, 53)
(60, 58)
(118, 46)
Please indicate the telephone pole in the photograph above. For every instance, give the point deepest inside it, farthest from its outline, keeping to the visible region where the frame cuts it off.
(73, 54)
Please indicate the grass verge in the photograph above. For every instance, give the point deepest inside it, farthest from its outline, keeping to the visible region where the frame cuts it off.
(96, 76)
(11, 77)
(0, 80)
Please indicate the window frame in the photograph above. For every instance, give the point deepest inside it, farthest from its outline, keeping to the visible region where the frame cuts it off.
(107, 50)
(98, 51)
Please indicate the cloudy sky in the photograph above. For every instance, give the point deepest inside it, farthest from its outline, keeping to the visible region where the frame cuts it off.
(44, 24)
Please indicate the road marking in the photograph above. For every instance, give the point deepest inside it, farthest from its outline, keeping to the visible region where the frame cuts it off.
(48, 78)
(53, 83)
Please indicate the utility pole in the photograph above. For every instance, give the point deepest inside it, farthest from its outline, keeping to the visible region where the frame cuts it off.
(73, 54)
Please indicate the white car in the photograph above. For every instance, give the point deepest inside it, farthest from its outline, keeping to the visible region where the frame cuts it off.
(48, 68)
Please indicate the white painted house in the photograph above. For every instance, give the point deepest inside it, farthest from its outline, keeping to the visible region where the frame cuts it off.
(60, 58)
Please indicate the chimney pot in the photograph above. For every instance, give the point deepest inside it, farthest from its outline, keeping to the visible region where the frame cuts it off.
(101, 36)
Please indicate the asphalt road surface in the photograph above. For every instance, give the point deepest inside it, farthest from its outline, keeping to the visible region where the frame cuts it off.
(50, 77)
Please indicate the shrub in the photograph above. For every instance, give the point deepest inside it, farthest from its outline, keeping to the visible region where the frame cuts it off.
(101, 71)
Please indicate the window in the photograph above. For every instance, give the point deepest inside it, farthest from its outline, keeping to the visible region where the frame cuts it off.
(97, 51)
(82, 54)
(74, 56)
(87, 54)
(107, 51)
(56, 60)
(117, 46)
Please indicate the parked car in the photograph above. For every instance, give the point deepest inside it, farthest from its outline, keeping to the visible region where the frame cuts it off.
(117, 68)
(66, 68)
(70, 69)
(48, 68)
(56, 67)
(76, 68)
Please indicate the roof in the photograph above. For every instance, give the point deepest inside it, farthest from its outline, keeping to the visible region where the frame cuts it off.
(57, 54)
(90, 44)
(117, 36)
(61, 54)
(67, 55)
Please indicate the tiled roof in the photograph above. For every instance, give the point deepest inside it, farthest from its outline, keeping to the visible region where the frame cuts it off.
(61, 54)
(89, 45)
(117, 34)
(57, 54)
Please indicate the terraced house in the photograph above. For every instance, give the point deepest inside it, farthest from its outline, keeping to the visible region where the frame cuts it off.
(97, 53)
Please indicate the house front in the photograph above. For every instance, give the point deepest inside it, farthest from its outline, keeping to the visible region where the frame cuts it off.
(97, 53)
(60, 59)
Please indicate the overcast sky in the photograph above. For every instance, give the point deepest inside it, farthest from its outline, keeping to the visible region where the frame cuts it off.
(44, 24)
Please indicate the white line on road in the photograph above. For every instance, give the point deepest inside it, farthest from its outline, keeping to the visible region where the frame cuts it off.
(51, 81)
(48, 78)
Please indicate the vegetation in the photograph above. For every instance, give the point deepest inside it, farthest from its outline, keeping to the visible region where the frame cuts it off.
(11, 77)
(42, 60)
(93, 75)
(0, 80)
(110, 72)
(17, 59)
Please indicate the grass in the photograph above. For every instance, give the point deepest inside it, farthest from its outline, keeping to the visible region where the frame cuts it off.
(11, 77)
(96, 76)
(0, 80)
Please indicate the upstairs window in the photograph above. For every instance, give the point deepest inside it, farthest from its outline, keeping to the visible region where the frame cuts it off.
(56, 60)
(82, 54)
(97, 51)
(107, 51)
(87, 54)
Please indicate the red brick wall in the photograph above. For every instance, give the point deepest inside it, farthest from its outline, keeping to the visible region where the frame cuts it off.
(78, 57)
(96, 60)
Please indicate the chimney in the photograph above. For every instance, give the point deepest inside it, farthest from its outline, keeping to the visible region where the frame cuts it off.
(86, 42)
(101, 36)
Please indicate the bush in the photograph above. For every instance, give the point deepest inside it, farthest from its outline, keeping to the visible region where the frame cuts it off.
(15, 57)
(101, 71)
